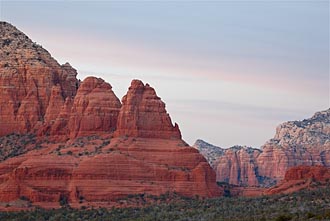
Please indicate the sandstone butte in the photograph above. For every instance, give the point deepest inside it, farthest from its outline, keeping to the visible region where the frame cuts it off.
(295, 143)
(63, 139)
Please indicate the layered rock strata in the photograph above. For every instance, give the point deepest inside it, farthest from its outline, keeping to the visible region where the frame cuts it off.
(123, 166)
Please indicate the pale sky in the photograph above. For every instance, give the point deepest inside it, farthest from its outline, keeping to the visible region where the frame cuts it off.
(228, 71)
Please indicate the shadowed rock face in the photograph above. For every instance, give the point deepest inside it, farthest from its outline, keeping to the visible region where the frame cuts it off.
(90, 148)
(295, 143)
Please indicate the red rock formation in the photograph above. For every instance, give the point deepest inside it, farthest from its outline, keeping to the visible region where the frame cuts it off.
(95, 108)
(237, 166)
(125, 166)
(317, 173)
(56, 100)
(295, 143)
(296, 179)
(33, 88)
(29, 76)
(143, 114)
(38, 95)
(60, 126)
(302, 177)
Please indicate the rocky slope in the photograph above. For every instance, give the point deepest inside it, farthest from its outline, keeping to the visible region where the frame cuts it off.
(209, 151)
(63, 140)
(29, 77)
(295, 143)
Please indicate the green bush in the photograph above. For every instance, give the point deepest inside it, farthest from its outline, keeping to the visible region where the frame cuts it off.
(284, 218)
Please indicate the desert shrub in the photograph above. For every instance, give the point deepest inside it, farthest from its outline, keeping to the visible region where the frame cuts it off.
(13, 145)
(63, 200)
(284, 218)
(6, 42)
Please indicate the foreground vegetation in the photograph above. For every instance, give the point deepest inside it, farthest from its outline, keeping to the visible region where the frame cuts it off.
(304, 205)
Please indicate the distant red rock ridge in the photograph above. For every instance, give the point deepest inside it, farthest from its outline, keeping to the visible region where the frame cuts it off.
(296, 179)
(302, 177)
(295, 143)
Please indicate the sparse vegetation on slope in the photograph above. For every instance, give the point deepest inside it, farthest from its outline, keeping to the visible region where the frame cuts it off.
(14, 145)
